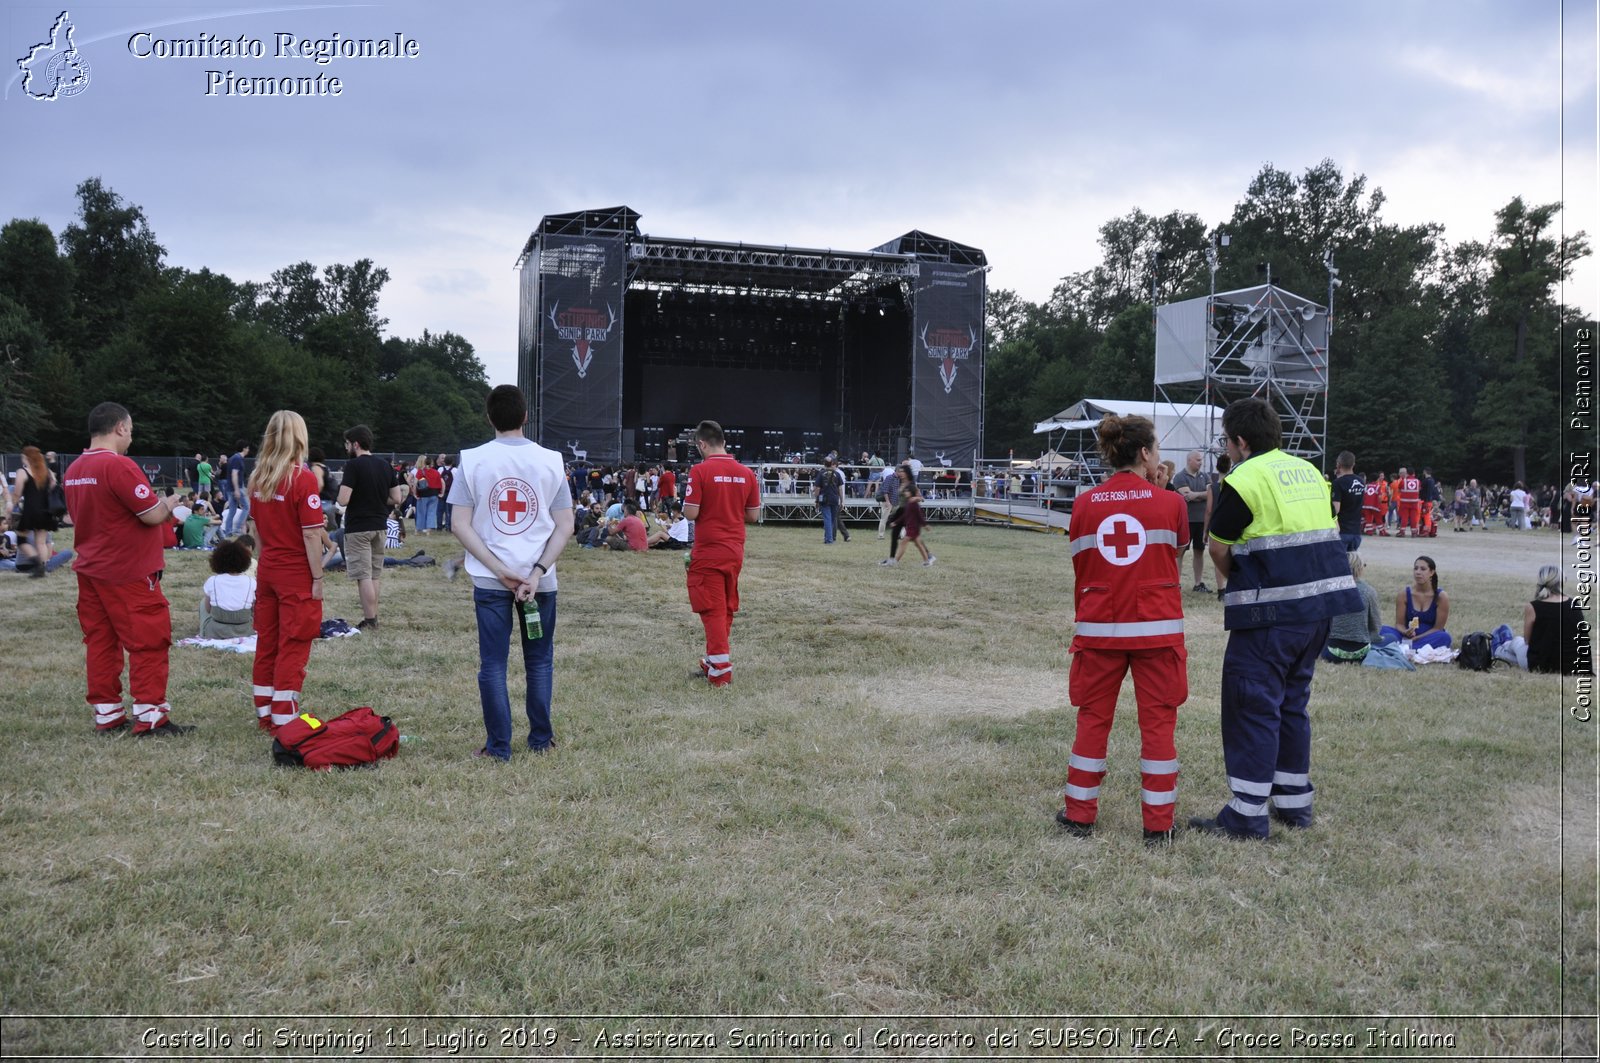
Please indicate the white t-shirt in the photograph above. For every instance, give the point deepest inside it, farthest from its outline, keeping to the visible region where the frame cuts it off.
(1519, 498)
(232, 591)
(514, 487)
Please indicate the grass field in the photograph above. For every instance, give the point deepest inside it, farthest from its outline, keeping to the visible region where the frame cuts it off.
(860, 826)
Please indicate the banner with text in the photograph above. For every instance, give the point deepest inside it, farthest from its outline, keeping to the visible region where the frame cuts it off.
(947, 365)
(579, 295)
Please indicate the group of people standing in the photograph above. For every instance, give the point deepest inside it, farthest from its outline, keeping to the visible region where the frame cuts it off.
(513, 516)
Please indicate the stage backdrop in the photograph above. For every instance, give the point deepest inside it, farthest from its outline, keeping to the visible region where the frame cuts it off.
(947, 364)
(578, 292)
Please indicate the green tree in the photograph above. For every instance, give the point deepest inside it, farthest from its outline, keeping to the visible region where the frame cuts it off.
(36, 275)
(115, 259)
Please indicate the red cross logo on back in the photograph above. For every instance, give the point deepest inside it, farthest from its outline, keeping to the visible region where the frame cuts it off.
(1120, 539)
(513, 507)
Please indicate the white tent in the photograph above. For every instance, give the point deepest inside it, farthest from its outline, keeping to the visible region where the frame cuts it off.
(1180, 427)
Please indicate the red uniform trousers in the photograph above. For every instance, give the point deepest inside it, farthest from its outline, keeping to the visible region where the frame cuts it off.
(1371, 519)
(714, 594)
(1411, 515)
(132, 618)
(288, 619)
(1160, 685)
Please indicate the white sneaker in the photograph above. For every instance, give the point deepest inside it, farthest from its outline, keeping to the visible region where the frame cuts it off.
(930, 561)
(887, 561)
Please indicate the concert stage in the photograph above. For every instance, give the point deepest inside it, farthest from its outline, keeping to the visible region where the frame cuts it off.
(627, 341)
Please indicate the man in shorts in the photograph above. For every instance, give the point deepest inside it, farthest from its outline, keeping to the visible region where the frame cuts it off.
(368, 490)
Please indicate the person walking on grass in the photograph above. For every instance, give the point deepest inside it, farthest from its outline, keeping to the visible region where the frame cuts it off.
(117, 521)
(910, 522)
(287, 511)
(722, 497)
(1194, 487)
(513, 514)
(1276, 545)
(1127, 539)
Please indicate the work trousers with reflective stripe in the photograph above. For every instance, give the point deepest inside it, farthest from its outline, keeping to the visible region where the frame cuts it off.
(714, 595)
(288, 620)
(131, 618)
(1266, 730)
(1411, 515)
(1160, 685)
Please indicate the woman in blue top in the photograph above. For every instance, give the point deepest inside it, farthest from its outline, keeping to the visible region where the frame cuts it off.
(1422, 609)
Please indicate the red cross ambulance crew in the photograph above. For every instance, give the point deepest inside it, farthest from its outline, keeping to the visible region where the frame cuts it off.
(1409, 488)
(1372, 510)
(722, 497)
(288, 518)
(117, 521)
(1126, 539)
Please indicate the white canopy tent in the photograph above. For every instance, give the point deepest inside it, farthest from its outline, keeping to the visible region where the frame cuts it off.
(1180, 427)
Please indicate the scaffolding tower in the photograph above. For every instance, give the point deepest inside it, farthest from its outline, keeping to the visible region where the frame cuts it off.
(1262, 342)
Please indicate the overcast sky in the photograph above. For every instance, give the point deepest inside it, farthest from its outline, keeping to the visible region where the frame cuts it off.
(1017, 127)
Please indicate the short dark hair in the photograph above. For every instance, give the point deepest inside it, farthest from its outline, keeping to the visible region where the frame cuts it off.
(507, 408)
(230, 557)
(360, 435)
(241, 444)
(1253, 421)
(1345, 460)
(709, 432)
(631, 507)
(104, 418)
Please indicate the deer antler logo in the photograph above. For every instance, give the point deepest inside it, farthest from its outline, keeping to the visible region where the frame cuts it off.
(582, 327)
(947, 346)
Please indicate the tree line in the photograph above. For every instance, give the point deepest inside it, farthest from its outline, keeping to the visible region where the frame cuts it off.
(1443, 355)
(203, 360)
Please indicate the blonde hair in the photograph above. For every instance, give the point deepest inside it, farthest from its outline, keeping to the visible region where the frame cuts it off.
(1549, 583)
(1357, 566)
(283, 450)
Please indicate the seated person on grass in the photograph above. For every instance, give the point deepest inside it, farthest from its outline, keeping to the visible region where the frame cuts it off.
(630, 532)
(1421, 609)
(1554, 635)
(227, 602)
(1351, 635)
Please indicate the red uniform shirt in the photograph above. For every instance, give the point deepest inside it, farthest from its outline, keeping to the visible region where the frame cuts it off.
(667, 485)
(723, 489)
(1410, 490)
(106, 492)
(1126, 535)
(1374, 497)
(280, 519)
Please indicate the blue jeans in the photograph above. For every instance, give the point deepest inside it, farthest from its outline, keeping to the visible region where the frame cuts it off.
(426, 508)
(498, 622)
(236, 512)
(830, 513)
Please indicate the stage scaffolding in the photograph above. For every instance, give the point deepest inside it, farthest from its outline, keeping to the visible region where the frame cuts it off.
(1260, 342)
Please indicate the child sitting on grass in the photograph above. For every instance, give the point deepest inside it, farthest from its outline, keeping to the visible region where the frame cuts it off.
(229, 597)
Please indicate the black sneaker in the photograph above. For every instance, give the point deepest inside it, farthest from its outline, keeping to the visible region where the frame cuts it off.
(1072, 826)
(1294, 824)
(167, 729)
(368, 624)
(1202, 825)
(1159, 839)
(1201, 588)
(116, 730)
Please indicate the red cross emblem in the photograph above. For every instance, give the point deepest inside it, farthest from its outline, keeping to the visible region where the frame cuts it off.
(513, 506)
(1120, 539)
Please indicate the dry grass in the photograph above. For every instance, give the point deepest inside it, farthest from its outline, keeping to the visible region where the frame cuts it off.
(860, 825)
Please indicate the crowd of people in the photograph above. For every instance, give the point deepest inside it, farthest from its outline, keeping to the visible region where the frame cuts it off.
(1283, 542)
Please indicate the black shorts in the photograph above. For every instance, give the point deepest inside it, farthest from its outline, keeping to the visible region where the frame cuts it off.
(1197, 534)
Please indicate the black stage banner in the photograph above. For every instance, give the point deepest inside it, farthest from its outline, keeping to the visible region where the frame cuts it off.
(579, 292)
(947, 365)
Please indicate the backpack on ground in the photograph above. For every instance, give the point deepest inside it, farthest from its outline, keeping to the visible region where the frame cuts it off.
(1477, 652)
(359, 736)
